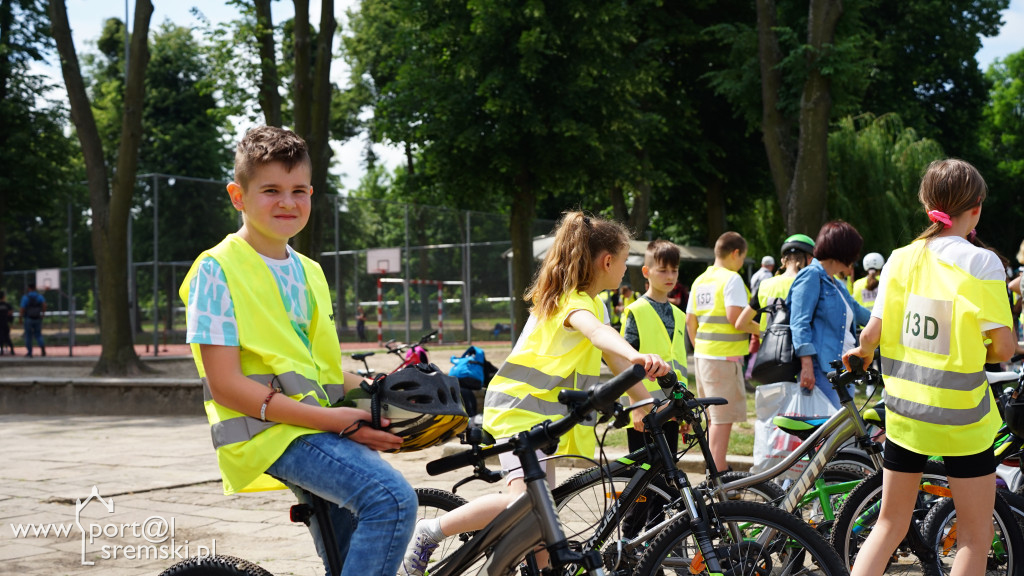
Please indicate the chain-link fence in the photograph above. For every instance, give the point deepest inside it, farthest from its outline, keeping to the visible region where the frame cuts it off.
(175, 218)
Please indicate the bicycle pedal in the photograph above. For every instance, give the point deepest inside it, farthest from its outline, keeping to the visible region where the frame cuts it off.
(300, 513)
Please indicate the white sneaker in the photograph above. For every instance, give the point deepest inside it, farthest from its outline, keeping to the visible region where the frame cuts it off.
(417, 555)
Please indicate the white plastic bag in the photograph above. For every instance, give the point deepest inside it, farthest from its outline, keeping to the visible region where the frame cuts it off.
(772, 445)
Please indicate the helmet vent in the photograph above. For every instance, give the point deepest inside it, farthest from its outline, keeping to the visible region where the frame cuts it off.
(405, 386)
(420, 399)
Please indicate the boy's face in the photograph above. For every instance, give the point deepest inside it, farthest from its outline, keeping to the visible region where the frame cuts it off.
(661, 277)
(276, 202)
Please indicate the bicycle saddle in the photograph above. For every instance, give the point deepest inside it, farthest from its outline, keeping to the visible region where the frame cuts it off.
(800, 426)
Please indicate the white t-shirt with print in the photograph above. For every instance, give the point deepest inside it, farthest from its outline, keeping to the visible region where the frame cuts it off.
(211, 312)
(978, 262)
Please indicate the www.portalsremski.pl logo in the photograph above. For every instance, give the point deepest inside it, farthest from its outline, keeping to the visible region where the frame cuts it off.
(155, 532)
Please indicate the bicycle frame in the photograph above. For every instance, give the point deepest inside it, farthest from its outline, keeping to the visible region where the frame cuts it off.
(845, 424)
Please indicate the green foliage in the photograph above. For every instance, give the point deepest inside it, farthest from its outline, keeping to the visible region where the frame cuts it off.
(38, 159)
(875, 168)
(1003, 132)
(926, 68)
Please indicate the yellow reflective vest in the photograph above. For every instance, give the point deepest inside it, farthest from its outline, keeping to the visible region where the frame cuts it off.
(716, 336)
(271, 353)
(770, 290)
(549, 358)
(655, 339)
(862, 295)
(933, 354)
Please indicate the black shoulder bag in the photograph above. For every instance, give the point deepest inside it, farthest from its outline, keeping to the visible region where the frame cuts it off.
(776, 361)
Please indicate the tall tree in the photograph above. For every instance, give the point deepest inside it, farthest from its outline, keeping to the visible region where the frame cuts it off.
(506, 102)
(34, 150)
(926, 68)
(110, 206)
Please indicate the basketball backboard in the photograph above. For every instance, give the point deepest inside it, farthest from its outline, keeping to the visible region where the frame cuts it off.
(384, 261)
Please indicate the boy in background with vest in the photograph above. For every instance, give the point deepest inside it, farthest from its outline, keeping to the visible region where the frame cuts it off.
(717, 298)
(261, 325)
(653, 325)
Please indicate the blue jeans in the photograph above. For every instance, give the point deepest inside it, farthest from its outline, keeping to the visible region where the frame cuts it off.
(373, 506)
(33, 330)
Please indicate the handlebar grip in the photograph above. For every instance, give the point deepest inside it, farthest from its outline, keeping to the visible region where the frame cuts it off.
(856, 363)
(572, 396)
(668, 381)
(453, 462)
(603, 396)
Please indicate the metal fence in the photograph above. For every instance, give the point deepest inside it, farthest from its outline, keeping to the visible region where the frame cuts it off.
(175, 218)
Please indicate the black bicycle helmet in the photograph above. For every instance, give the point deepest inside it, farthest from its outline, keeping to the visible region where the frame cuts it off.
(798, 243)
(1013, 414)
(422, 402)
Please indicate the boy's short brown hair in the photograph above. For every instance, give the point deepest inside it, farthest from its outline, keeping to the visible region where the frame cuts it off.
(661, 252)
(728, 242)
(265, 144)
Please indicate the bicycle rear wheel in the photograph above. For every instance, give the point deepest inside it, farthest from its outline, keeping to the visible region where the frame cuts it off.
(860, 511)
(1005, 555)
(793, 548)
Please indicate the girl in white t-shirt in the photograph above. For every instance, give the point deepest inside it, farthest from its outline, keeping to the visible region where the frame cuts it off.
(938, 301)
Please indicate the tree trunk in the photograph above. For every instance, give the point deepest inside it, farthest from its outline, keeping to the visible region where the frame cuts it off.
(800, 179)
(775, 128)
(808, 193)
(270, 98)
(109, 212)
(6, 23)
(714, 197)
(520, 229)
(302, 87)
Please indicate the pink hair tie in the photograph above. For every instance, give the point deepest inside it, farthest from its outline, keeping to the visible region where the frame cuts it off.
(939, 216)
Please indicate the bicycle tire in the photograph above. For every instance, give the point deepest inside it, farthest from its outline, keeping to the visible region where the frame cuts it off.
(1004, 557)
(856, 516)
(853, 459)
(1016, 503)
(833, 473)
(434, 503)
(767, 492)
(796, 546)
(215, 566)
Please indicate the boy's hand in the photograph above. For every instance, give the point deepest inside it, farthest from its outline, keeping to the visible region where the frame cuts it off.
(653, 365)
(360, 429)
(866, 355)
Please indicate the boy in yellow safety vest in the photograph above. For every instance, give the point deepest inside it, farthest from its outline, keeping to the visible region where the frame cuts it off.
(717, 298)
(653, 325)
(260, 321)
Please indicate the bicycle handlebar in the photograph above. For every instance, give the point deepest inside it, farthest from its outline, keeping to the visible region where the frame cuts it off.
(601, 398)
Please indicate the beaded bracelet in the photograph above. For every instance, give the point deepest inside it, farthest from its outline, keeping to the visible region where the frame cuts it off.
(263, 409)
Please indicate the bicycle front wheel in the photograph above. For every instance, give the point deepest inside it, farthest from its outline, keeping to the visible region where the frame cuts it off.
(749, 538)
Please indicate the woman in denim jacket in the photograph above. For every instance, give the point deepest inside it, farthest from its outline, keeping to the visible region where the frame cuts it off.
(824, 316)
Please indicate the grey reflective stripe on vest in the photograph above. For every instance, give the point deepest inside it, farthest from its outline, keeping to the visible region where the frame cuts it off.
(932, 377)
(709, 319)
(934, 415)
(544, 381)
(243, 428)
(335, 392)
(720, 337)
(529, 403)
(677, 366)
(290, 383)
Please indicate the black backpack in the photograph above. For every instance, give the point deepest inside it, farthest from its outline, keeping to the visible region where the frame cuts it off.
(34, 310)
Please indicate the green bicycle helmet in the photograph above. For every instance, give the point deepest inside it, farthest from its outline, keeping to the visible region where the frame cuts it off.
(798, 243)
(422, 402)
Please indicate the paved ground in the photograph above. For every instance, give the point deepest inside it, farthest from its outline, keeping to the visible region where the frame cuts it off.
(156, 483)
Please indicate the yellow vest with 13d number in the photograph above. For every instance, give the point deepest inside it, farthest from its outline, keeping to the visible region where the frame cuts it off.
(271, 353)
(933, 354)
(716, 336)
(525, 390)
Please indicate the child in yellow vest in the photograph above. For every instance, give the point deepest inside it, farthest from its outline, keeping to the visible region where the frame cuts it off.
(716, 299)
(260, 322)
(561, 347)
(653, 325)
(865, 290)
(939, 300)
